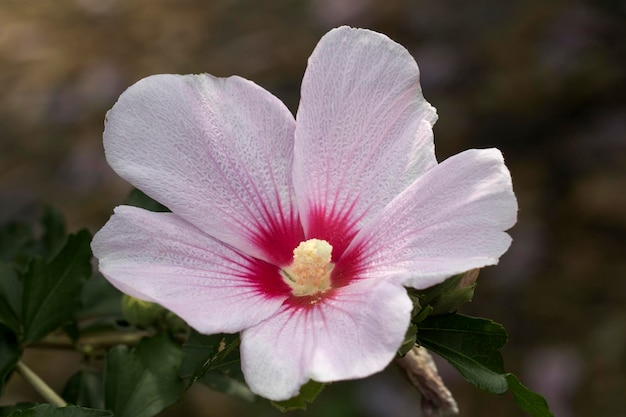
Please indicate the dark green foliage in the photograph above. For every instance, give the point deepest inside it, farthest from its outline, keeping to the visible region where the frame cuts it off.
(47, 410)
(446, 297)
(52, 289)
(10, 409)
(529, 401)
(45, 287)
(85, 388)
(143, 381)
(409, 340)
(214, 361)
(472, 345)
(9, 354)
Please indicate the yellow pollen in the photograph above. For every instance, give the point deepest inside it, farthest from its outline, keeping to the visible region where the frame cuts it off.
(309, 272)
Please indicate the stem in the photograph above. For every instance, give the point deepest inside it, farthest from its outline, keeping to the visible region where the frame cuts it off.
(39, 385)
(421, 370)
(96, 345)
(104, 340)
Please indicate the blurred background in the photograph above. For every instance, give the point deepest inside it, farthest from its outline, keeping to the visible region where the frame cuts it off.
(542, 81)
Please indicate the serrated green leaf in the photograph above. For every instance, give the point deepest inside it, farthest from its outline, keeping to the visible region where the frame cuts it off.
(9, 354)
(10, 409)
(85, 388)
(51, 289)
(138, 198)
(308, 394)
(469, 344)
(529, 401)
(143, 381)
(472, 346)
(48, 410)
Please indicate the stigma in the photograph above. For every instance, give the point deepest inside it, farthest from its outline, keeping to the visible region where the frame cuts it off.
(309, 273)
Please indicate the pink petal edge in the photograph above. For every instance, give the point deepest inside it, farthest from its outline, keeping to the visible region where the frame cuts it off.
(218, 152)
(354, 333)
(161, 258)
(450, 220)
(363, 130)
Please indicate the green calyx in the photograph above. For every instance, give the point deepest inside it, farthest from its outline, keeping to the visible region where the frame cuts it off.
(141, 313)
(446, 297)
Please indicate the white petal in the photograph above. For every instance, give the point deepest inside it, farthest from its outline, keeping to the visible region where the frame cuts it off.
(352, 334)
(363, 131)
(450, 220)
(159, 257)
(216, 151)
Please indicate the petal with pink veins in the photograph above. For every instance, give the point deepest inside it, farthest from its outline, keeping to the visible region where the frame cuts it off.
(363, 131)
(450, 220)
(161, 258)
(353, 332)
(218, 152)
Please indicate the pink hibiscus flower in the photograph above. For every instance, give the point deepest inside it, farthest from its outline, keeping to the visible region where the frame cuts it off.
(300, 234)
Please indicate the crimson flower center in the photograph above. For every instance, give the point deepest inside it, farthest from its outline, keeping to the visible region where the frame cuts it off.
(309, 273)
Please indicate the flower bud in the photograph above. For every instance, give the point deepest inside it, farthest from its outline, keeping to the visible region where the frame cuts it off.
(451, 294)
(141, 313)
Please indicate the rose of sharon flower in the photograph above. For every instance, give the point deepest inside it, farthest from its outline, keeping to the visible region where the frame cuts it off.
(300, 234)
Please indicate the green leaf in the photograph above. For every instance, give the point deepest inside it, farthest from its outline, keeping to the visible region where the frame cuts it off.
(85, 388)
(143, 381)
(208, 352)
(9, 354)
(204, 353)
(308, 393)
(529, 401)
(10, 297)
(48, 410)
(431, 294)
(447, 297)
(214, 361)
(197, 350)
(8, 410)
(7, 316)
(409, 340)
(221, 382)
(51, 289)
(471, 345)
(138, 199)
(422, 314)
